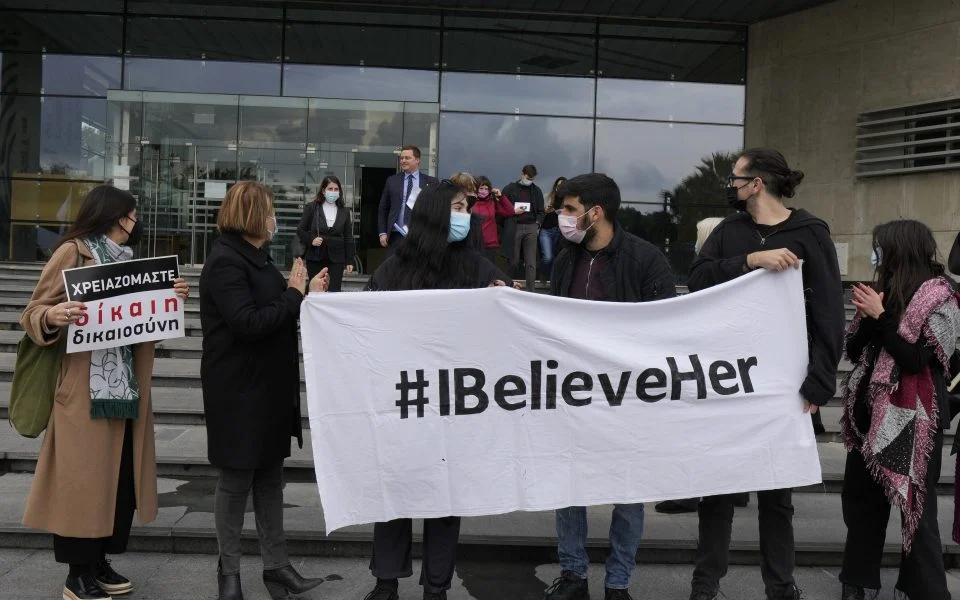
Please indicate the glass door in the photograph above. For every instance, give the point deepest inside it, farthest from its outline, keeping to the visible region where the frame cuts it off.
(179, 154)
(166, 182)
(215, 171)
(273, 151)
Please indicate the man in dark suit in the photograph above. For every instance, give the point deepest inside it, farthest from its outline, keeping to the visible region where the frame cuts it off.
(393, 216)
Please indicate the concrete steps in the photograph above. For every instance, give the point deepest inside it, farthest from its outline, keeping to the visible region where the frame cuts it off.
(185, 523)
(182, 452)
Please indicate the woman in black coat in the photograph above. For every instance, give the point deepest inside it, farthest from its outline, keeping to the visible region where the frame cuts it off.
(326, 230)
(251, 383)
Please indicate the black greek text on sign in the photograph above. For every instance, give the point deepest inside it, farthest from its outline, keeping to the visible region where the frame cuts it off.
(85, 284)
(126, 303)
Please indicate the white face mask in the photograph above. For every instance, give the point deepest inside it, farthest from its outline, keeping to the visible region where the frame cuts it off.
(272, 231)
(875, 257)
(524, 181)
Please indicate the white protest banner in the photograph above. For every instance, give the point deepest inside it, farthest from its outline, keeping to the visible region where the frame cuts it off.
(480, 402)
(127, 302)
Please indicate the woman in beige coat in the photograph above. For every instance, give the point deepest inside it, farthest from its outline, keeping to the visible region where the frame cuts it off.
(97, 465)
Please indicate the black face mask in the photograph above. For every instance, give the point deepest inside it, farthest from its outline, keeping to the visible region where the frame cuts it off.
(734, 201)
(134, 235)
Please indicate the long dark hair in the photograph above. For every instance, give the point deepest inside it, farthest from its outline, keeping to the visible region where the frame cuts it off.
(323, 185)
(908, 258)
(552, 199)
(425, 259)
(103, 208)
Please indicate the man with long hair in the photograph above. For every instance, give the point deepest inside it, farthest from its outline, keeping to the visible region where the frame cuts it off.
(765, 234)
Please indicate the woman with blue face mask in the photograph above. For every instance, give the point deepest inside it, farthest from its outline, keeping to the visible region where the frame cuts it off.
(436, 254)
(326, 231)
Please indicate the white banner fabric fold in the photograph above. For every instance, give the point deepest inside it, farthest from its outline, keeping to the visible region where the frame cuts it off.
(480, 402)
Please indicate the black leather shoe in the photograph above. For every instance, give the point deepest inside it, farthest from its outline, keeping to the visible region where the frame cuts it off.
(84, 587)
(229, 587)
(382, 592)
(434, 595)
(285, 581)
(791, 593)
(854, 592)
(112, 582)
(702, 595)
(616, 594)
(568, 587)
(676, 507)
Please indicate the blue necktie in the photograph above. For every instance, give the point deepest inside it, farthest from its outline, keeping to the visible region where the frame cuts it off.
(404, 213)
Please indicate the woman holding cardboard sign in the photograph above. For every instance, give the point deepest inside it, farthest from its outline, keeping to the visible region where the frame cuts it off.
(251, 383)
(97, 464)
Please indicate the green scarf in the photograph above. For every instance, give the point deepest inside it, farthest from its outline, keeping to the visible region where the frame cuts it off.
(114, 392)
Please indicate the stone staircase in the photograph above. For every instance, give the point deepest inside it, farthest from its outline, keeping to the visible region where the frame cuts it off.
(187, 481)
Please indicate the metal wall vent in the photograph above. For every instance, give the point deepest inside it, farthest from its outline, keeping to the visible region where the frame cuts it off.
(916, 138)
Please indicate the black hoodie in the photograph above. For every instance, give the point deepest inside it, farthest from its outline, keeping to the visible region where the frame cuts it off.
(724, 257)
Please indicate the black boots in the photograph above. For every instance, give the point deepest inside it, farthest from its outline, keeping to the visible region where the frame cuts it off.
(229, 586)
(285, 581)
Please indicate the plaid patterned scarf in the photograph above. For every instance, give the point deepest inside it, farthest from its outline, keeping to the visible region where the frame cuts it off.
(904, 407)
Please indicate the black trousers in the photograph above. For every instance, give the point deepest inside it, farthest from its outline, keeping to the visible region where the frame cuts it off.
(776, 541)
(335, 270)
(866, 512)
(392, 544)
(230, 504)
(90, 551)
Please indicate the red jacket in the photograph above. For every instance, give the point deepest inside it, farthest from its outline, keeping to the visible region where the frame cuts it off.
(489, 209)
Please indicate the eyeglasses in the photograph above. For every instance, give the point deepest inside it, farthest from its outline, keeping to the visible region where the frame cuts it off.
(732, 178)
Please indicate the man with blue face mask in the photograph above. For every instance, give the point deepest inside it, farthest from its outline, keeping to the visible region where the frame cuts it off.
(602, 262)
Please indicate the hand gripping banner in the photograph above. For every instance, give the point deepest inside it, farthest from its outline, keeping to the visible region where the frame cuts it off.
(481, 402)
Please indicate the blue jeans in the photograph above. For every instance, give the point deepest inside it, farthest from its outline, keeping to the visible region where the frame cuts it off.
(549, 239)
(626, 530)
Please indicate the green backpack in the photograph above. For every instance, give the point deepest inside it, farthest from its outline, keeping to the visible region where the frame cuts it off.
(34, 384)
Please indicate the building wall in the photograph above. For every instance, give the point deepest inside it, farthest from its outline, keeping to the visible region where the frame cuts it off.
(809, 74)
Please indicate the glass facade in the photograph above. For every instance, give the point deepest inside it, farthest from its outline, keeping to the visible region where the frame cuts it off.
(178, 101)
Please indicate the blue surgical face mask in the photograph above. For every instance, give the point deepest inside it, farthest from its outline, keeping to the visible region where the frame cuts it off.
(875, 258)
(331, 197)
(459, 226)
